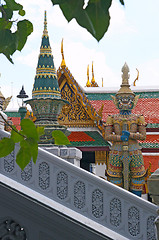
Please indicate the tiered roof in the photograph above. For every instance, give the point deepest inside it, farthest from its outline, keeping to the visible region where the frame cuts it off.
(46, 84)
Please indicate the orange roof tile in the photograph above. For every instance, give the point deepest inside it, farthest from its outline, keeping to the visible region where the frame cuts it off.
(16, 122)
(79, 137)
(149, 107)
(154, 161)
(151, 139)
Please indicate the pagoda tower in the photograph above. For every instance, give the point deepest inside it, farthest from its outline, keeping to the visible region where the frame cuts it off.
(46, 102)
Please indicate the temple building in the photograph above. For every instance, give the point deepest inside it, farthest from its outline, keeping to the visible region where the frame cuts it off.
(86, 110)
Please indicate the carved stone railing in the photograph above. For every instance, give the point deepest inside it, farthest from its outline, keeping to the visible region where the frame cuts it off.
(84, 193)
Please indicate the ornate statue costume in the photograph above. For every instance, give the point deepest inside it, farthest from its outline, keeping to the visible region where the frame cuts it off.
(126, 166)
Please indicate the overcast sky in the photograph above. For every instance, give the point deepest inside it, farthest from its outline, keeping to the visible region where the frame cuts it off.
(133, 37)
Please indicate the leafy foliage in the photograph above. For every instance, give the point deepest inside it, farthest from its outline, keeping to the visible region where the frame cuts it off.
(60, 138)
(28, 139)
(95, 17)
(11, 41)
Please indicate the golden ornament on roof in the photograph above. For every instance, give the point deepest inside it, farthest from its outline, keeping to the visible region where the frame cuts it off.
(63, 64)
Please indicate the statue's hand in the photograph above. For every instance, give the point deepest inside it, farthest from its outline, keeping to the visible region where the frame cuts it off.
(125, 136)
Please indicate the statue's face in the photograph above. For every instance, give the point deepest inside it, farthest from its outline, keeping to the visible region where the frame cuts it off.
(125, 101)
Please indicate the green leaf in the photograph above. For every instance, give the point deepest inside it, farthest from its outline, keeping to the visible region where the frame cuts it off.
(5, 24)
(95, 17)
(29, 129)
(6, 146)
(33, 148)
(70, 8)
(23, 157)
(7, 13)
(40, 131)
(8, 43)
(98, 16)
(60, 138)
(21, 12)
(121, 1)
(13, 5)
(16, 137)
(24, 29)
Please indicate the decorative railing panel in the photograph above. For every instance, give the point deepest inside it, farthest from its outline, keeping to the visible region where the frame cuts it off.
(85, 193)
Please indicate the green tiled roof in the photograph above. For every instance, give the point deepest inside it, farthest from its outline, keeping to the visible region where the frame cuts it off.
(13, 114)
(149, 145)
(153, 125)
(107, 96)
(98, 141)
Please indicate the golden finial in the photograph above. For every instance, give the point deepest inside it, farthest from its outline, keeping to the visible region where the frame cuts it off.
(102, 82)
(88, 84)
(93, 80)
(45, 32)
(63, 64)
(134, 83)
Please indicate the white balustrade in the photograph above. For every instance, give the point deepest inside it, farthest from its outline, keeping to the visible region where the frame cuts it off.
(84, 193)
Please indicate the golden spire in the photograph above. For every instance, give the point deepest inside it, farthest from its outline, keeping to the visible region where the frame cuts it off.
(102, 82)
(45, 32)
(93, 80)
(88, 84)
(63, 64)
(134, 83)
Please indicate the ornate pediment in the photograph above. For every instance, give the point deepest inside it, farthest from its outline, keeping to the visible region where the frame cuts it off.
(79, 113)
(75, 113)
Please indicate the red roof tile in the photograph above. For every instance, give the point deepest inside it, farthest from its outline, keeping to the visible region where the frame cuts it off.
(79, 137)
(16, 122)
(154, 161)
(151, 139)
(149, 107)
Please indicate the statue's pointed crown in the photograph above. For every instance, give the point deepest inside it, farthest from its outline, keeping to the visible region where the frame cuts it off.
(125, 87)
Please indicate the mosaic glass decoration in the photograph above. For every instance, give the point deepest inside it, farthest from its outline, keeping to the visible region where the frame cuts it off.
(9, 230)
(151, 228)
(115, 212)
(9, 162)
(26, 174)
(97, 203)
(44, 175)
(79, 195)
(133, 221)
(62, 185)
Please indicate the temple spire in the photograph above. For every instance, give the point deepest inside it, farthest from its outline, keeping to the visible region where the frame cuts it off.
(63, 64)
(45, 83)
(93, 80)
(88, 84)
(45, 32)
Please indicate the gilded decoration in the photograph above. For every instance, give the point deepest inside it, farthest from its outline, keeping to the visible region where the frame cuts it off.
(100, 157)
(74, 112)
(81, 112)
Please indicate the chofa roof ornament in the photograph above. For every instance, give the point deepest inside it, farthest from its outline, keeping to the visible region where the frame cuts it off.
(125, 86)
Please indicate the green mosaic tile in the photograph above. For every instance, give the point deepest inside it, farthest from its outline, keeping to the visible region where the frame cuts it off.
(99, 141)
(153, 125)
(13, 114)
(149, 145)
(107, 96)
